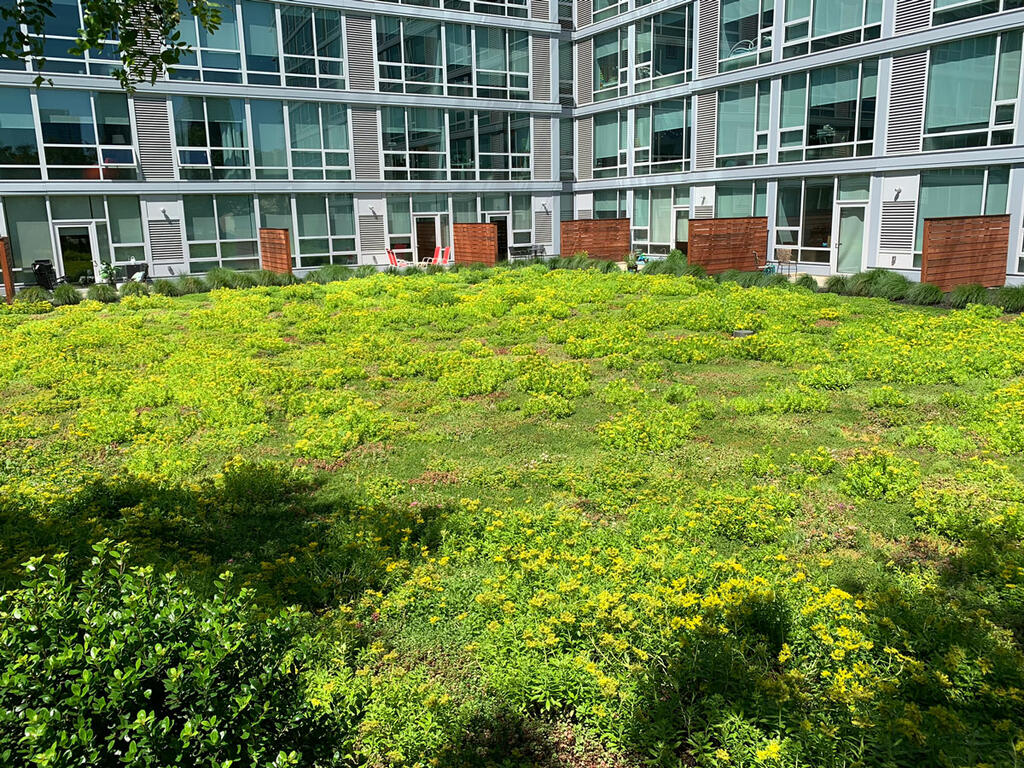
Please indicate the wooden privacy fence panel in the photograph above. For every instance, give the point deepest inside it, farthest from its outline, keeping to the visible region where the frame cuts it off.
(958, 250)
(6, 268)
(475, 243)
(606, 239)
(721, 244)
(275, 251)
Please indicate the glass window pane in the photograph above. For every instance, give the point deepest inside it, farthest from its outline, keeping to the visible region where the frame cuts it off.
(736, 119)
(311, 211)
(112, 119)
(342, 215)
(226, 122)
(200, 221)
(641, 208)
(17, 128)
(661, 215)
(304, 123)
(960, 84)
(276, 213)
(399, 218)
(1009, 66)
(297, 30)
(29, 229)
(235, 217)
(260, 36)
(734, 199)
(268, 133)
(66, 117)
(996, 193)
(125, 219)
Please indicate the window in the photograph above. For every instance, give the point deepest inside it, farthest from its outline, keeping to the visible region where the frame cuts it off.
(661, 219)
(661, 138)
(319, 140)
(28, 225)
(611, 60)
(214, 56)
(269, 145)
(743, 112)
(504, 139)
(19, 153)
(746, 33)
(664, 53)
(462, 143)
(211, 138)
(126, 237)
(566, 80)
(431, 212)
(86, 135)
(326, 230)
(740, 199)
(828, 113)
(803, 220)
(60, 33)
(959, 192)
(605, 9)
(610, 143)
(566, 149)
(414, 143)
(610, 204)
(948, 11)
(817, 25)
(409, 52)
(221, 232)
(502, 63)
(262, 52)
(311, 42)
(972, 92)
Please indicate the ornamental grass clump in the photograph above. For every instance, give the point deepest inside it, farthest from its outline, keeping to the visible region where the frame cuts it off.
(972, 293)
(189, 285)
(219, 277)
(167, 288)
(32, 294)
(889, 285)
(132, 288)
(1010, 298)
(924, 294)
(837, 284)
(102, 292)
(66, 295)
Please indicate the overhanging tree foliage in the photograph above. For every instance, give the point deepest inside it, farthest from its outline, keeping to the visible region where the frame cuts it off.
(145, 32)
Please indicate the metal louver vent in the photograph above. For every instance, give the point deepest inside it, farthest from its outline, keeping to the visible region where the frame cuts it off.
(541, 69)
(371, 234)
(707, 38)
(584, 13)
(165, 240)
(906, 103)
(360, 53)
(150, 41)
(913, 14)
(366, 144)
(153, 127)
(542, 148)
(707, 127)
(540, 9)
(899, 218)
(585, 149)
(585, 72)
(585, 213)
(542, 227)
(703, 211)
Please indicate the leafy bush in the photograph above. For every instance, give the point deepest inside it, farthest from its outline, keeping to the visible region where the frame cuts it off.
(32, 294)
(188, 285)
(972, 293)
(126, 667)
(806, 281)
(219, 277)
(889, 285)
(265, 277)
(166, 288)
(863, 283)
(924, 294)
(1010, 298)
(837, 284)
(66, 295)
(132, 288)
(102, 292)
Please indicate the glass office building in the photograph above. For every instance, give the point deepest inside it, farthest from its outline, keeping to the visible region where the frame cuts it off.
(363, 125)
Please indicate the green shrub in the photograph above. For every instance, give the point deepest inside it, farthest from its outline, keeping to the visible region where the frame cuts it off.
(103, 292)
(972, 293)
(188, 285)
(166, 288)
(863, 283)
(366, 270)
(126, 667)
(806, 281)
(889, 285)
(1010, 298)
(880, 474)
(749, 279)
(837, 284)
(265, 277)
(131, 288)
(219, 277)
(924, 293)
(32, 294)
(729, 276)
(773, 280)
(65, 294)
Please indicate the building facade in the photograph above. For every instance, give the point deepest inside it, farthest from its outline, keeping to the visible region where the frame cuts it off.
(362, 125)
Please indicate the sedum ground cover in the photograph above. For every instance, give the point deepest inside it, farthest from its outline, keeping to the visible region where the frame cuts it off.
(556, 518)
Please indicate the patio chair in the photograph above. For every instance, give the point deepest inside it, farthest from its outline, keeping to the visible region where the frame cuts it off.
(396, 262)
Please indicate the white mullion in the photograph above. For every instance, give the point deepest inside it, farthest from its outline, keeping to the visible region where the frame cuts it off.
(279, 31)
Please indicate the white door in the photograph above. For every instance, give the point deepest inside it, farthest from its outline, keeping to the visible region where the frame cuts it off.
(848, 239)
(78, 253)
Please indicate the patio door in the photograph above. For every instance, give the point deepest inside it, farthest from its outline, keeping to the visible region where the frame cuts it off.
(848, 254)
(77, 251)
(682, 230)
(428, 238)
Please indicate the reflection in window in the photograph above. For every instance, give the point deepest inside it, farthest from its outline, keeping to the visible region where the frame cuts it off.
(311, 41)
(326, 230)
(948, 11)
(828, 113)
(661, 219)
(610, 143)
(746, 33)
(211, 138)
(86, 135)
(611, 62)
(818, 25)
(803, 220)
(414, 143)
(664, 52)
(972, 92)
(221, 232)
(319, 140)
(61, 31)
(661, 138)
(19, 153)
(743, 113)
(214, 56)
